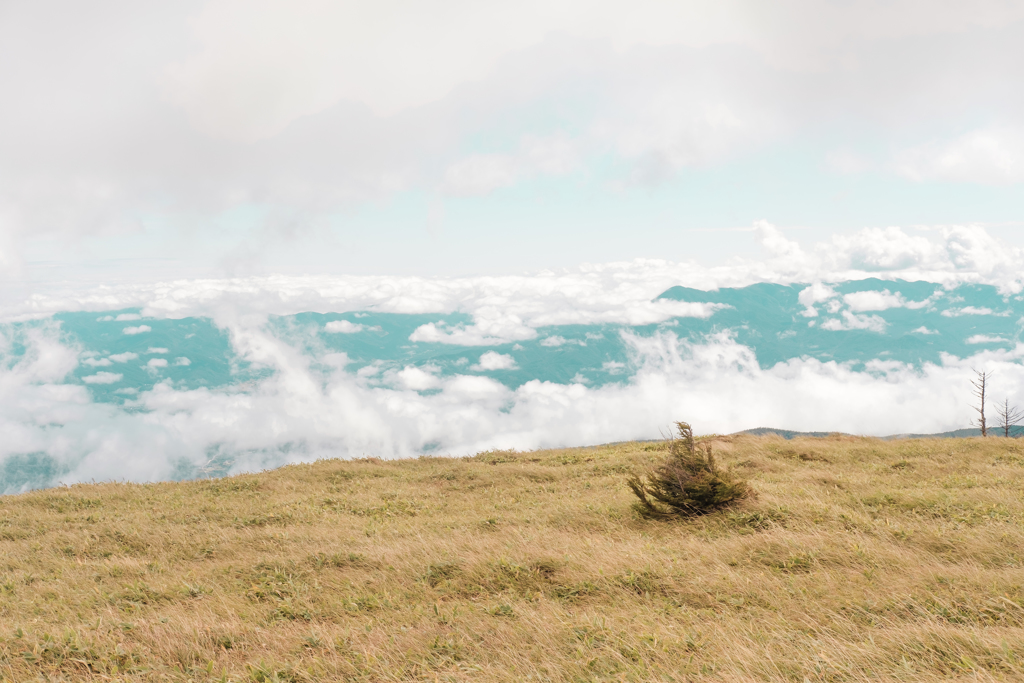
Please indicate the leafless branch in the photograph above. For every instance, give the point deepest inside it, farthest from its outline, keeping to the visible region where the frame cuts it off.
(1009, 417)
(980, 384)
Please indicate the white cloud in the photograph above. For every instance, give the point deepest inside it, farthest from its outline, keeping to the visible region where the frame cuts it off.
(852, 321)
(873, 301)
(924, 330)
(182, 361)
(881, 301)
(156, 350)
(666, 129)
(973, 249)
(418, 378)
(847, 162)
(109, 360)
(987, 339)
(344, 327)
(336, 360)
(613, 367)
(369, 370)
(814, 294)
(124, 317)
(945, 255)
(949, 253)
(155, 363)
(511, 308)
(102, 378)
(262, 65)
(777, 245)
(230, 104)
(876, 250)
(492, 360)
(991, 156)
(479, 174)
(553, 340)
(967, 310)
(489, 329)
(137, 330)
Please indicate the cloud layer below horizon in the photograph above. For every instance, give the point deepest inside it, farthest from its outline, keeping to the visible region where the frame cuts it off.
(306, 406)
(177, 379)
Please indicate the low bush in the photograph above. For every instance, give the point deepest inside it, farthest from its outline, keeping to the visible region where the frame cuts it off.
(687, 483)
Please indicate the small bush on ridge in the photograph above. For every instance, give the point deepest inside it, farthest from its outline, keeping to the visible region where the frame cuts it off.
(687, 483)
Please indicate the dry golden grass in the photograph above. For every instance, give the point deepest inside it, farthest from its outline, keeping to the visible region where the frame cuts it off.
(857, 560)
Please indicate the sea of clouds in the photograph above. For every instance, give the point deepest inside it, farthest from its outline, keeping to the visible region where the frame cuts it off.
(306, 403)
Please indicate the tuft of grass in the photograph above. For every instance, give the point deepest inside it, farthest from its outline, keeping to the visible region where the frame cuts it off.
(687, 482)
(843, 568)
(441, 573)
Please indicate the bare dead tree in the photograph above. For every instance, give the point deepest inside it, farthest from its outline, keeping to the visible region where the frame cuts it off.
(980, 383)
(1009, 417)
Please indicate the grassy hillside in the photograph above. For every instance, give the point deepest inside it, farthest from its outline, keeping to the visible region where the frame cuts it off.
(858, 560)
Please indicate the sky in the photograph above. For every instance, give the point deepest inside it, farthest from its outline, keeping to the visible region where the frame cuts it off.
(144, 141)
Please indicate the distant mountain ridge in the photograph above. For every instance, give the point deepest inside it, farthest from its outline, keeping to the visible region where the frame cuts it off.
(1015, 432)
(859, 321)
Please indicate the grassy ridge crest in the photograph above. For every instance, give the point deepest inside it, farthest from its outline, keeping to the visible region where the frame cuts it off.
(859, 559)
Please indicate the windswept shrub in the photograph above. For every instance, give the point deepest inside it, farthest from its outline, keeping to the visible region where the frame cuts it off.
(687, 483)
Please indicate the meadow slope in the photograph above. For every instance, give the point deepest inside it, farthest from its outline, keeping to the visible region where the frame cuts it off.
(858, 559)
